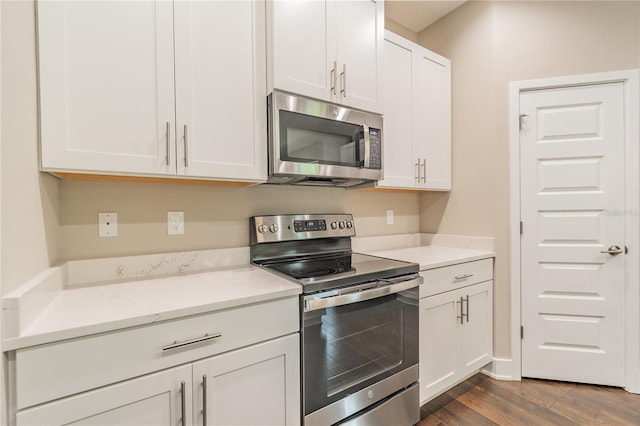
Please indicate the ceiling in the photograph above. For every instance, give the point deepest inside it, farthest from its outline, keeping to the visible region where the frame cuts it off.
(419, 14)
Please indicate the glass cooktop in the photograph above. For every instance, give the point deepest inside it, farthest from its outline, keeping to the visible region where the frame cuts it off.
(324, 272)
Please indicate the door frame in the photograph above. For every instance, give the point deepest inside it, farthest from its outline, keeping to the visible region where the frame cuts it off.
(631, 87)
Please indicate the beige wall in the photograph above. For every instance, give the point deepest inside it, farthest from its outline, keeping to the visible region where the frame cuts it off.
(215, 217)
(405, 32)
(29, 201)
(491, 44)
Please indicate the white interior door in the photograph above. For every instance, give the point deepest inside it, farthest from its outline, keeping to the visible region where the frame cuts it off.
(572, 204)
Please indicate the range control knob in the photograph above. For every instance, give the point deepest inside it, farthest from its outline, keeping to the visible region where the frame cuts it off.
(341, 225)
(273, 228)
(349, 224)
(262, 229)
(334, 225)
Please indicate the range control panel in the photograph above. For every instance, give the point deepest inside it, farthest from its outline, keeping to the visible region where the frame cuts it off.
(267, 229)
(309, 225)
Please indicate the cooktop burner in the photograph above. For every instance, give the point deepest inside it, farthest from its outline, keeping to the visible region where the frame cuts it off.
(314, 268)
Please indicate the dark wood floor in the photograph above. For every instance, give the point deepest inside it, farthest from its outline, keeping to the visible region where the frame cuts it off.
(482, 400)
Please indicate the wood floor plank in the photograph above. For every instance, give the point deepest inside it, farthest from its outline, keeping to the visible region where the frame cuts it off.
(530, 412)
(580, 413)
(477, 399)
(614, 403)
(482, 400)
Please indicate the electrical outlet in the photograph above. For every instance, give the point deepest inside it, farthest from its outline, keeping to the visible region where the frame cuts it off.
(108, 224)
(175, 223)
(389, 217)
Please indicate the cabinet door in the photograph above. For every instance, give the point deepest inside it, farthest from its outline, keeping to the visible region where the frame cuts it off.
(257, 385)
(303, 51)
(399, 161)
(106, 86)
(476, 334)
(155, 399)
(221, 89)
(434, 120)
(438, 344)
(360, 37)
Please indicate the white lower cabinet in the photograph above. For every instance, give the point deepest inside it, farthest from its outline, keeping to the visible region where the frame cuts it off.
(235, 366)
(155, 399)
(456, 327)
(257, 385)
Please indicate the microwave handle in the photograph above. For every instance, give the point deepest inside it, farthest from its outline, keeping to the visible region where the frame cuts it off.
(364, 162)
(313, 303)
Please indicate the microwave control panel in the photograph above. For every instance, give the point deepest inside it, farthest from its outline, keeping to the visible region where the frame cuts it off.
(375, 153)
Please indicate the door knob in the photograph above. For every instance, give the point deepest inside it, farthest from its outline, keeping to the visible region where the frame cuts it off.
(613, 251)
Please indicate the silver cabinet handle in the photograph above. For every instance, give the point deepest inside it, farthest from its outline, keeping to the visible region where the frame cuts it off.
(418, 171)
(186, 147)
(343, 81)
(168, 143)
(334, 81)
(461, 316)
(613, 251)
(204, 400)
(183, 397)
(177, 344)
(424, 170)
(462, 277)
(466, 299)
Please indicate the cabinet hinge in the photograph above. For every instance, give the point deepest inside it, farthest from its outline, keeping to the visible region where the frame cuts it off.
(521, 332)
(521, 228)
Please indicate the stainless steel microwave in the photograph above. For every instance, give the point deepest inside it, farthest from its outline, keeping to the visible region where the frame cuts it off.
(318, 143)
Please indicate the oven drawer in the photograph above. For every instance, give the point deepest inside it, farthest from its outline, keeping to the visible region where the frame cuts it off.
(447, 278)
(55, 370)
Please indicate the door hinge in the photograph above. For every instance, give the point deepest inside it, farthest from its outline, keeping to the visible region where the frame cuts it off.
(521, 228)
(520, 121)
(521, 332)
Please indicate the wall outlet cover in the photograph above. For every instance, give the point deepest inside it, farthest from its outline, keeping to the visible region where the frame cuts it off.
(175, 223)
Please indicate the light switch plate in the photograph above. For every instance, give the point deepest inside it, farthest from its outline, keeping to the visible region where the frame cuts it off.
(389, 217)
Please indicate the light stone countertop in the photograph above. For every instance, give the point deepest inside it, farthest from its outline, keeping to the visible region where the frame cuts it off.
(56, 305)
(84, 311)
(430, 257)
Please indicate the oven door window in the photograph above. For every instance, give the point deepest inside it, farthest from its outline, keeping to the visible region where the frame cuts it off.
(308, 139)
(350, 347)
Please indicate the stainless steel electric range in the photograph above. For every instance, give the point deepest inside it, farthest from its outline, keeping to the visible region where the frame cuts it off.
(359, 320)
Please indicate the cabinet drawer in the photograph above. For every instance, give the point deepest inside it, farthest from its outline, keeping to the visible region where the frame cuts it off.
(51, 371)
(447, 278)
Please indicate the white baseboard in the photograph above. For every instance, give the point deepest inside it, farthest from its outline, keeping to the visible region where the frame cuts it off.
(500, 369)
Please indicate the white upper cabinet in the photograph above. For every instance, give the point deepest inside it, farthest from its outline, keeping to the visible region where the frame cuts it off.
(434, 120)
(221, 89)
(111, 104)
(106, 86)
(417, 117)
(328, 50)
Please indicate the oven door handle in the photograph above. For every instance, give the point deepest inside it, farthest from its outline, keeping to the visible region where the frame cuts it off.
(312, 303)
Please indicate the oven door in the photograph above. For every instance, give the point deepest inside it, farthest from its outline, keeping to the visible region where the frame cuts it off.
(359, 347)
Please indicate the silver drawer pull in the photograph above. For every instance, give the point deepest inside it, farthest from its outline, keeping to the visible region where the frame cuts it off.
(462, 277)
(177, 344)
